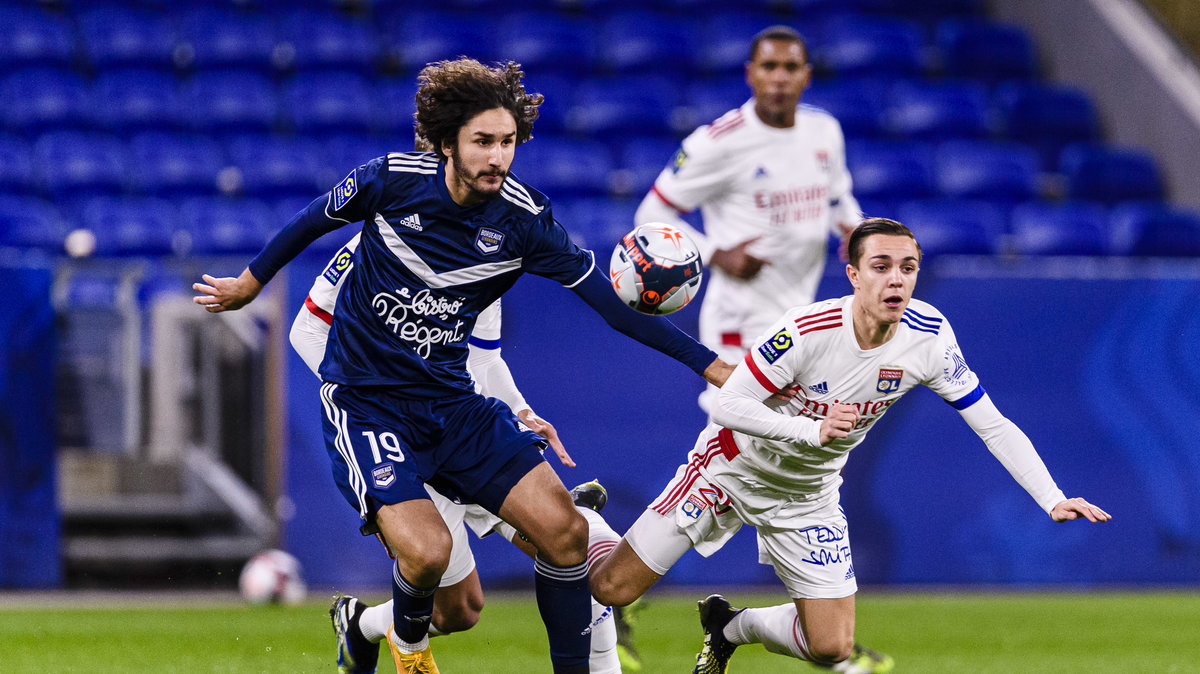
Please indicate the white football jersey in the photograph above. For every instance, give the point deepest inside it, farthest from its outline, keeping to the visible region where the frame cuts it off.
(813, 350)
(789, 187)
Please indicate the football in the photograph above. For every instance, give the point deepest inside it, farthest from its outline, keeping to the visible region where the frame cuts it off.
(656, 269)
(272, 576)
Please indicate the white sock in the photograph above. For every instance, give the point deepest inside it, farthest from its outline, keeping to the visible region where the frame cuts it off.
(601, 537)
(375, 621)
(603, 658)
(777, 628)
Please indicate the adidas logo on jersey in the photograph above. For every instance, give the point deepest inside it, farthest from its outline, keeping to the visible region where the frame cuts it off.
(760, 172)
(819, 389)
(412, 222)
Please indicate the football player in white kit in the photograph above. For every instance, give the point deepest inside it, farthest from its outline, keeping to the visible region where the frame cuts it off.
(775, 463)
(459, 599)
(771, 184)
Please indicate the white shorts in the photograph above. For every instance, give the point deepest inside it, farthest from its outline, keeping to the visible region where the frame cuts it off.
(813, 561)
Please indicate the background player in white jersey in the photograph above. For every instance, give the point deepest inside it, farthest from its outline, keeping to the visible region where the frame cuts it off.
(771, 183)
(444, 235)
(776, 464)
(459, 599)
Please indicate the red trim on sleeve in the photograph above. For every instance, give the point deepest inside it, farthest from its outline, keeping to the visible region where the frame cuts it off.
(728, 447)
(667, 201)
(731, 339)
(318, 311)
(758, 374)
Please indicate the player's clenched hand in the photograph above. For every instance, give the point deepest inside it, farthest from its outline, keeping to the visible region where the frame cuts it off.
(227, 293)
(737, 262)
(717, 372)
(1074, 508)
(546, 430)
(838, 423)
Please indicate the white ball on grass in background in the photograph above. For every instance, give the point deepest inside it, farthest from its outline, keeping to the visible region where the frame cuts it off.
(656, 269)
(272, 576)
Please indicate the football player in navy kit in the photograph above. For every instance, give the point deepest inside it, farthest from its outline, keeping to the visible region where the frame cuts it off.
(444, 235)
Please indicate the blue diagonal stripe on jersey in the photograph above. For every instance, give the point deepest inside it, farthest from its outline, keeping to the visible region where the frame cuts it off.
(922, 323)
(918, 327)
(969, 399)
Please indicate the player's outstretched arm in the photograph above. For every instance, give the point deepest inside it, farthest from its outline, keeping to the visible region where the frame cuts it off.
(1075, 508)
(546, 430)
(226, 293)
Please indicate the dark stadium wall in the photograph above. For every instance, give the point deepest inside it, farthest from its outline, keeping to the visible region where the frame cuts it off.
(29, 516)
(1094, 369)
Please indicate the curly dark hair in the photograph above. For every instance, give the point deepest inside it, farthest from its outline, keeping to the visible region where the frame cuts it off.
(450, 93)
(872, 226)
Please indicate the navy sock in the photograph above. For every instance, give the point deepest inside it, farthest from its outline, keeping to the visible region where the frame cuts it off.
(412, 608)
(565, 603)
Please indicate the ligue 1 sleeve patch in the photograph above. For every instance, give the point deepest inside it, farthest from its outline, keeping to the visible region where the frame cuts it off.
(338, 265)
(678, 160)
(775, 347)
(344, 191)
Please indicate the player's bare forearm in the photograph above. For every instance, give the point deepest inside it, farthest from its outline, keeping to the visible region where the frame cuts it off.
(226, 293)
(546, 430)
(1076, 508)
(717, 372)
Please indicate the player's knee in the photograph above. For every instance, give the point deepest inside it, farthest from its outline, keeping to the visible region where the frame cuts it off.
(609, 590)
(830, 649)
(566, 544)
(460, 616)
(424, 564)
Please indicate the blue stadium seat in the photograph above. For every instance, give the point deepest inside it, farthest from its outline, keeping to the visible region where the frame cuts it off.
(1110, 174)
(33, 37)
(1065, 228)
(1046, 116)
(870, 46)
(174, 165)
(856, 104)
(926, 10)
(31, 223)
(641, 160)
(937, 111)
(125, 226)
(394, 102)
(547, 42)
(709, 98)
(597, 223)
(1154, 229)
(565, 167)
(273, 167)
(953, 226)
(724, 40)
(885, 169)
(223, 38)
(16, 166)
(132, 100)
(327, 101)
(224, 226)
(123, 37)
(74, 164)
(344, 152)
(326, 39)
(421, 37)
(44, 98)
(698, 7)
(644, 105)
(646, 42)
(984, 50)
(232, 101)
(995, 171)
(559, 91)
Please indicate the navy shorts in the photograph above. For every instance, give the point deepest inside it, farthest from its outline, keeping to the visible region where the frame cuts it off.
(383, 447)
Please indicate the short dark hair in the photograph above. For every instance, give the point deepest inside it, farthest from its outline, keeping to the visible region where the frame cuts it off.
(871, 227)
(778, 32)
(450, 93)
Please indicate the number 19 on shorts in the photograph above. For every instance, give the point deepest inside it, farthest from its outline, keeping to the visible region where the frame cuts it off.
(390, 444)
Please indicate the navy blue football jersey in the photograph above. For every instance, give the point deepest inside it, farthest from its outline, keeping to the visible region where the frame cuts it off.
(427, 266)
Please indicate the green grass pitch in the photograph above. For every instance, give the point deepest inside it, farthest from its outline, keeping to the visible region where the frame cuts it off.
(941, 632)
